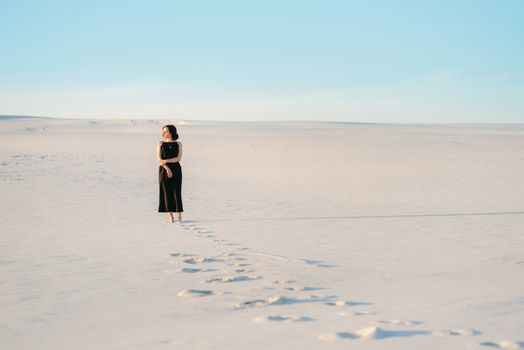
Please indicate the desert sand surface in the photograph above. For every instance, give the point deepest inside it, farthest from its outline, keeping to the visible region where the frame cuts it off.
(295, 235)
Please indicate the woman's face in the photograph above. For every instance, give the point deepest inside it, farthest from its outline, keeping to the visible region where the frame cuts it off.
(166, 133)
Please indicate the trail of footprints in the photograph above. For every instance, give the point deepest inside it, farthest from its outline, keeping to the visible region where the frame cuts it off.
(240, 268)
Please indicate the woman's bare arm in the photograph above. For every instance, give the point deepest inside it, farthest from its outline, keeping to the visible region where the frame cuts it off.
(159, 157)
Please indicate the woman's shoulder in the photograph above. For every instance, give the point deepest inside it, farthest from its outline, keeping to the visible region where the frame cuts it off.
(162, 141)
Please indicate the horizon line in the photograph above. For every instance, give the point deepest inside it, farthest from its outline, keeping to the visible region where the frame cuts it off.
(19, 116)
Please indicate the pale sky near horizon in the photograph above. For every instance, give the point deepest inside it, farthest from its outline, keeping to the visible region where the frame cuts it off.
(361, 61)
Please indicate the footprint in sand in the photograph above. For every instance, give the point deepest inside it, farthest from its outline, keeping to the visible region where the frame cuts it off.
(196, 293)
(284, 281)
(244, 270)
(372, 332)
(317, 263)
(504, 344)
(375, 332)
(240, 259)
(201, 259)
(346, 303)
(229, 254)
(280, 318)
(303, 288)
(280, 300)
(194, 270)
(204, 233)
(400, 322)
(181, 254)
(456, 331)
(356, 313)
(201, 232)
(229, 279)
(239, 264)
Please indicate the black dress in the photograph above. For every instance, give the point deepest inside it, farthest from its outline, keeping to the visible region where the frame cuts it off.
(170, 188)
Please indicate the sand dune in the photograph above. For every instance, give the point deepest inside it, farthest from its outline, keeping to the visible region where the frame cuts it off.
(295, 235)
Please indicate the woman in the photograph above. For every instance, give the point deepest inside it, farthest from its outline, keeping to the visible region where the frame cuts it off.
(169, 154)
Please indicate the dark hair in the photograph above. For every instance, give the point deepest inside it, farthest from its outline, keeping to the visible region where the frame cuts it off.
(172, 131)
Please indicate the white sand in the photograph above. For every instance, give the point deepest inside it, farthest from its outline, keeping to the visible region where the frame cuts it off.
(297, 236)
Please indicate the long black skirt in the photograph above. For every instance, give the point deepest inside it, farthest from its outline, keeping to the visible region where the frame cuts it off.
(170, 198)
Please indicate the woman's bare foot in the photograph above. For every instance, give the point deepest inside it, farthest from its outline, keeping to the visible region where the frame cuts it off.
(171, 219)
(179, 215)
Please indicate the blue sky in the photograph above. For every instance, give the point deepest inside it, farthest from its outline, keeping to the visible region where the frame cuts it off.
(365, 61)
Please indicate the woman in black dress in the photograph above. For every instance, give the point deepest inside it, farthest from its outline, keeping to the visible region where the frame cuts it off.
(169, 154)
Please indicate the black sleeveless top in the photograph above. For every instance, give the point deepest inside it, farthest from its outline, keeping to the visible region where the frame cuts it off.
(168, 150)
